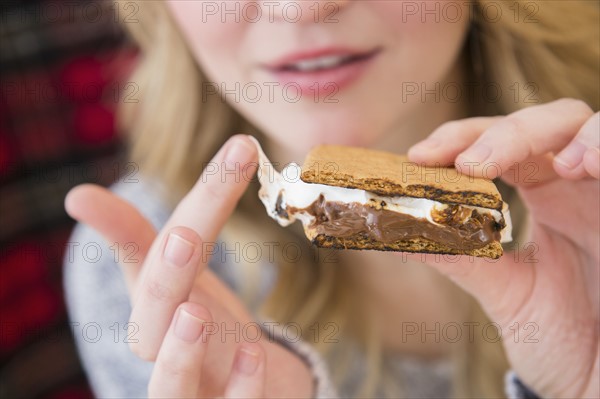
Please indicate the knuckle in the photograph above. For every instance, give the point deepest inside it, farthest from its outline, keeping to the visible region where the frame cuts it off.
(213, 191)
(513, 132)
(512, 124)
(158, 291)
(449, 129)
(172, 369)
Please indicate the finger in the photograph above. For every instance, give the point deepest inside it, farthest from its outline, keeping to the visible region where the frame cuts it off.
(178, 368)
(167, 284)
(117, 221)
(581, 157)
(203, 210)
(247, 378)
(450, 139)
(489, 147)
(531, 132)
(214, 196)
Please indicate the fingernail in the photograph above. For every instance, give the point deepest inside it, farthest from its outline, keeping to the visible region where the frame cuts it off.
(478, 153)
(178, 250)
(239, 150)
(246, 361)
(188, 327)
(571, 156)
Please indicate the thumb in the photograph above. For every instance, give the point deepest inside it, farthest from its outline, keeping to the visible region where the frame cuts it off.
(118, 221)
(499, 285)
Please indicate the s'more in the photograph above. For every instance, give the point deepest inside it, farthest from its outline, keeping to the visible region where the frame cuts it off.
(363, 199)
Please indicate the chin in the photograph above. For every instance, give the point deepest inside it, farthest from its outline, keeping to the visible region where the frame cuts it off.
(354, 136)
(303, 142)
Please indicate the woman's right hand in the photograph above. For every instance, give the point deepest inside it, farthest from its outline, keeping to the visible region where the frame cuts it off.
(174, 294)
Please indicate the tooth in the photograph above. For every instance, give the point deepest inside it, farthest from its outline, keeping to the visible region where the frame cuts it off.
(306, 65)
(328, 62)
(319, 63)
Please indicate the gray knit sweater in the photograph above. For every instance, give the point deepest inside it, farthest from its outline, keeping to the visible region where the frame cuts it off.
(99, 309)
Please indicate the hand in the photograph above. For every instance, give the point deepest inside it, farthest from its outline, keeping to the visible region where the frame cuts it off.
(174, 275)
(559, 291)
(178, 367)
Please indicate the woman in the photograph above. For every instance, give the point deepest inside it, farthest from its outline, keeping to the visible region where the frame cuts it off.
(366, 73)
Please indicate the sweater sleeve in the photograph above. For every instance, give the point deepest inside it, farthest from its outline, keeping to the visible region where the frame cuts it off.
(98, 306)
(323, 385)
(515, 389)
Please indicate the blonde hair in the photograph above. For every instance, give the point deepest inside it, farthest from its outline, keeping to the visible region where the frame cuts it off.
(547, 54)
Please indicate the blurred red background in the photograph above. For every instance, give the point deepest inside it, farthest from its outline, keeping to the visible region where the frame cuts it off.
(63, 67)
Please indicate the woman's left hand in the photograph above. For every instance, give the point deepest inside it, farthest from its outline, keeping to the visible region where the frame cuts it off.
(544, 297)
(178, 369)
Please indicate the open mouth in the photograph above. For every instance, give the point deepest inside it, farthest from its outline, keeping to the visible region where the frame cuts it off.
(322, 72)
(325, 62)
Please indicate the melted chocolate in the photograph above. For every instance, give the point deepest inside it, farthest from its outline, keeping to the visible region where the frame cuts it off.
(462, 228)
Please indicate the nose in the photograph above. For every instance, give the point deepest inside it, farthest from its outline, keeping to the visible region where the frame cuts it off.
(304, 11)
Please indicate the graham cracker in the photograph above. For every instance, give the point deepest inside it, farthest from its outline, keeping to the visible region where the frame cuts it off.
(390, 175)
(417, 245)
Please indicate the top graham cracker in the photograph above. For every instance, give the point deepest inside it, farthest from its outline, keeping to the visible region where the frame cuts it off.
(392, 175)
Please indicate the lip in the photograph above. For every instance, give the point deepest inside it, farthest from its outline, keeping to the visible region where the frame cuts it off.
(322, 82)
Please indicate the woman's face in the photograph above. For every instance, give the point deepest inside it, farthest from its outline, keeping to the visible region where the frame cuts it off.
(310, 72)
